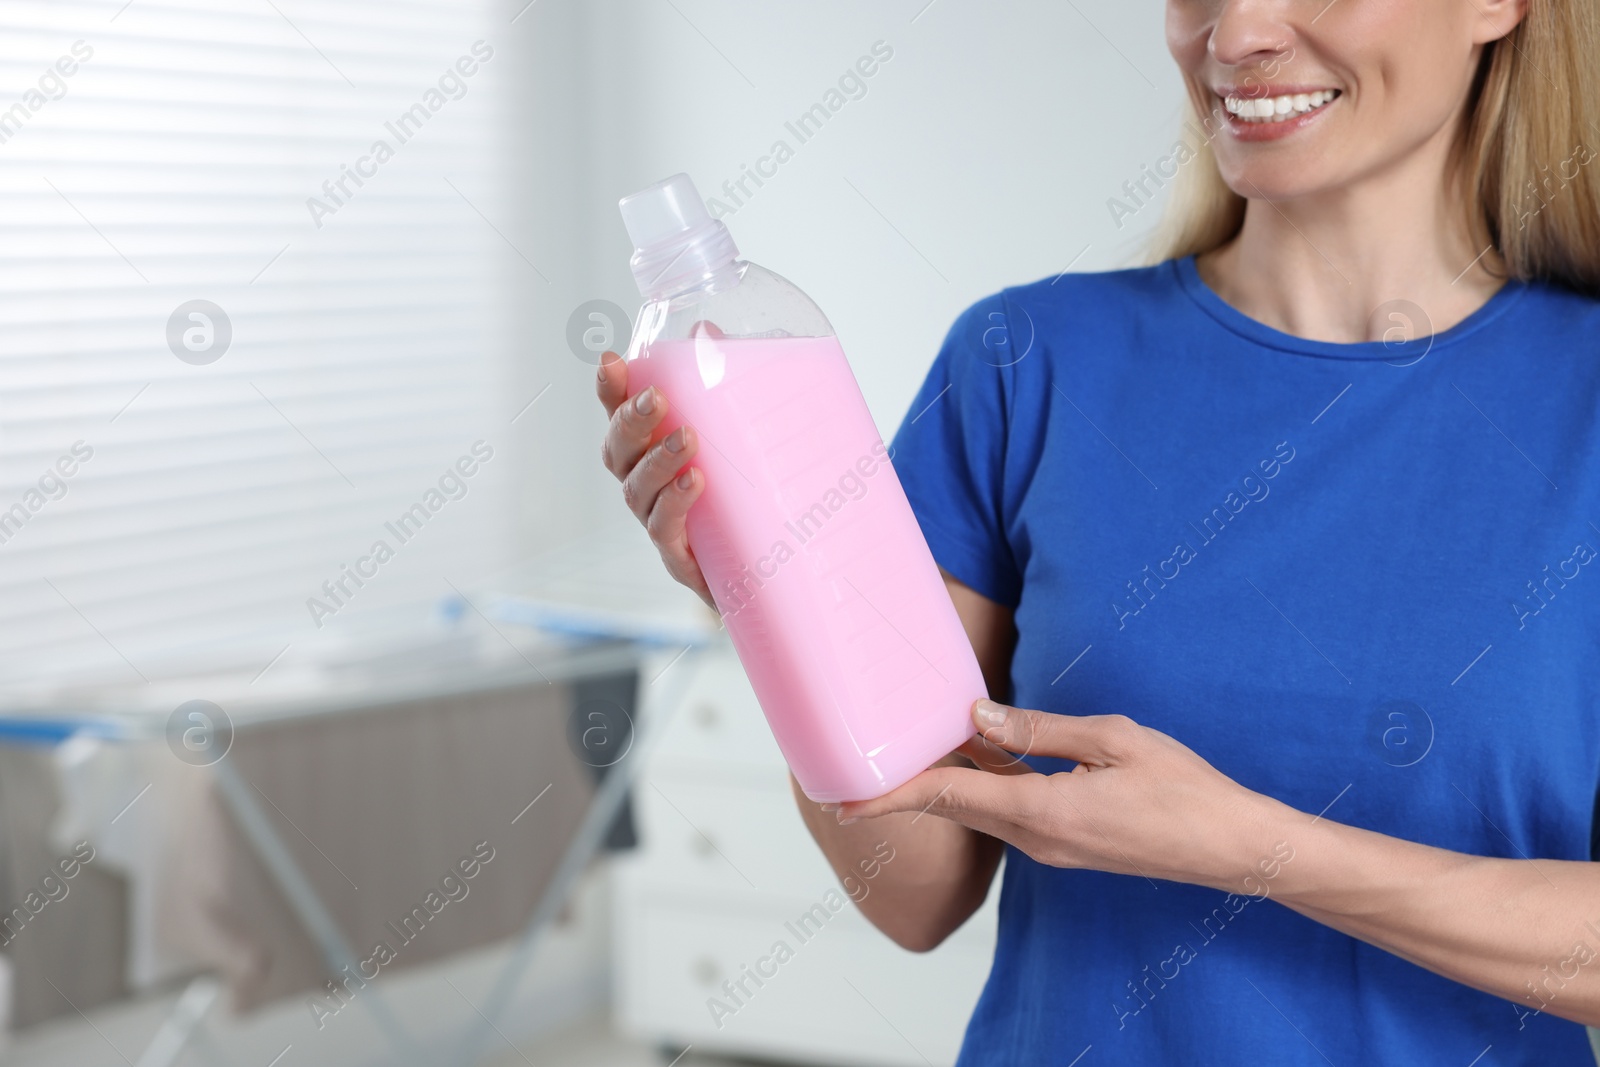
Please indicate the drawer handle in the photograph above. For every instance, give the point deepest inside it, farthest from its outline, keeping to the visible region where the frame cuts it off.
(705, 970)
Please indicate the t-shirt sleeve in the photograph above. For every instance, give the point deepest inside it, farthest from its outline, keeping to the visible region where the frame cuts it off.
(950, 452)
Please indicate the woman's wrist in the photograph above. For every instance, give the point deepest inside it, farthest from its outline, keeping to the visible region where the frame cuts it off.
(1258, 847)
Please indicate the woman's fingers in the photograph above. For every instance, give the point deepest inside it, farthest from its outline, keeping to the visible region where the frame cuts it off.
(628, 437)
(655, 470)
(923, 793)
(612, 381)
(1099, 740)
(668, 531)
(973, 797)
(656, 485)
(987, 756)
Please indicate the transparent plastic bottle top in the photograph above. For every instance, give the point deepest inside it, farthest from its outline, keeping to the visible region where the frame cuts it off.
(676, 241)
(689, 271)
(803, 531)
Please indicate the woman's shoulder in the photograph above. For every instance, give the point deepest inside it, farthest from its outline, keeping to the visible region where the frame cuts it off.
(1004, 326)
(1102, 303)
(1107, 289)
(1565, 301)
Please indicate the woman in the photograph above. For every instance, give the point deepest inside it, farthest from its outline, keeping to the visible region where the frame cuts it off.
(1312, 506)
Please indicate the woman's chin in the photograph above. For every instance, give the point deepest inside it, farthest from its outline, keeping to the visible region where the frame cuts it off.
(1275, 180)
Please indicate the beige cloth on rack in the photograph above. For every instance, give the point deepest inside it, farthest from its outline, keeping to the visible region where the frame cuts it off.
(378, 807)
(77, 942)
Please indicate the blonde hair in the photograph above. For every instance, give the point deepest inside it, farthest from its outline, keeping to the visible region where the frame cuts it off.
(1521, 157)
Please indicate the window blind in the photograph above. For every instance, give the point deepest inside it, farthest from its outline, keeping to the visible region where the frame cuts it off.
(182, 175)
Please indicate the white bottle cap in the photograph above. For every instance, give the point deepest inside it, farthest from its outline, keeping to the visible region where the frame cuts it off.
(676, 241)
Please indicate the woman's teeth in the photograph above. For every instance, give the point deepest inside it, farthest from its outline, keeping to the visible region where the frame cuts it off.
(1277, 108)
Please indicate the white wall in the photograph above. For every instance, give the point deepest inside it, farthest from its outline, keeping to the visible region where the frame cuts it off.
(991, 142)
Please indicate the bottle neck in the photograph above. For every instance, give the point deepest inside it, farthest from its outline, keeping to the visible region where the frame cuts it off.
(716, 280)
(685, 263)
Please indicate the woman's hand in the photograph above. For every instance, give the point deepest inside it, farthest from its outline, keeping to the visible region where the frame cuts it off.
(1138, 802)
(654, 491)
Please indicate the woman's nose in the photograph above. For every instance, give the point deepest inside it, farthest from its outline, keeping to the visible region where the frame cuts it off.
(1250, 33)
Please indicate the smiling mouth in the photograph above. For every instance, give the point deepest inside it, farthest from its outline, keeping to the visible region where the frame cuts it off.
(1269, 109)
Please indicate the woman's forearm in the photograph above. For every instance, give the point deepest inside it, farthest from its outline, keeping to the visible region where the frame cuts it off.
(1525, 930)
(938, 876)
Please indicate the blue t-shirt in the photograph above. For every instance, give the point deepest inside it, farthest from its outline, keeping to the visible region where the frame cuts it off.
(1359, 578)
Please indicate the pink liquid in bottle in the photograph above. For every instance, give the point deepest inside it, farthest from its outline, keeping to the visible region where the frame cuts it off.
(827, 588)
(811, 551)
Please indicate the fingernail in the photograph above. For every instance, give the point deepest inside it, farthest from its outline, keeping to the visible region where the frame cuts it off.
(846, 820)
(645, 403)
(675, 440)
(991, 714)
(601, 373)
(686, 480)
(830, 807)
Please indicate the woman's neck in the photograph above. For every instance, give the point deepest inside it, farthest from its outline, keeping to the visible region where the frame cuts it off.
(1321, 266)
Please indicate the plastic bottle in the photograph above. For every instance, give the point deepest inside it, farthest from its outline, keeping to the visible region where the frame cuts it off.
(816, 562)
